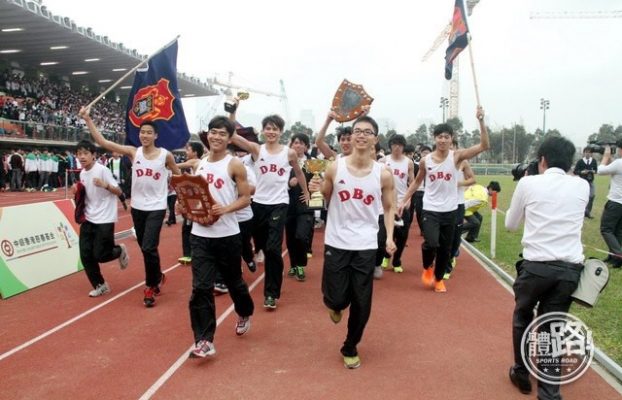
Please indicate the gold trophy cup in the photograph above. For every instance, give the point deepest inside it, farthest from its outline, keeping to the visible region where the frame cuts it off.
(316, 167)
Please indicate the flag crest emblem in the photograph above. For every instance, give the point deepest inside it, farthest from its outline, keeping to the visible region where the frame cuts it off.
(152, 103)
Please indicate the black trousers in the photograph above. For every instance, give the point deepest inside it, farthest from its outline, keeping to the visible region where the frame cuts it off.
(97, 246)
(170, 201)
(551, 286)
(347, 280)
(418, 204)
(381, 252)
(457, 236)
(298, 229)
(438, 232)
(472, 225)
(268, 224)
(186, 228)
(148, 225)
(611, 226)
(400, 236)
(246, 232)
(208, 256)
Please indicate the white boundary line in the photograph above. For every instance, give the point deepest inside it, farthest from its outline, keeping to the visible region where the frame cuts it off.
(184, 356)
(604, 366)
(74, 319)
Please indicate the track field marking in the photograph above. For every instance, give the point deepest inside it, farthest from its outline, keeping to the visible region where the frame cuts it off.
(74, 319)
(184, 356)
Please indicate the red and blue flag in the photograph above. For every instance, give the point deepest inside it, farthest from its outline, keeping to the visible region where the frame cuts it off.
(458, 37)
(155, 97)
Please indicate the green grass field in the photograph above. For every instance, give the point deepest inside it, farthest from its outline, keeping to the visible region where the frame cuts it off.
(605, 319)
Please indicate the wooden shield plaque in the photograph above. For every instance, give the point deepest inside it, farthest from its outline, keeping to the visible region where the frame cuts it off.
(349, 101)
(194, 198)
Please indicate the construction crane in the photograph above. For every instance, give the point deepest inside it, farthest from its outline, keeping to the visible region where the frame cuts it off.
(454, 83)
(231, 86)
(576, 14)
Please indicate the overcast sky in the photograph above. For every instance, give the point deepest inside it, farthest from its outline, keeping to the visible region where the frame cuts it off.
(313, 45)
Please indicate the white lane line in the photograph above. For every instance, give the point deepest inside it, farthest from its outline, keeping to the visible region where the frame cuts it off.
(184, 356)
(74, 319)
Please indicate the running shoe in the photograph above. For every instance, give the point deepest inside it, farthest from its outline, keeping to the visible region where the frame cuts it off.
(398, 269)
(428, 277)
(149, 297)
(221, 288)
(352, 362)
(124, 258)
(269, 303)
(100, 290)
(300, 274)
(335, 316)
(243, 325)
(439, 287)
(202, 349)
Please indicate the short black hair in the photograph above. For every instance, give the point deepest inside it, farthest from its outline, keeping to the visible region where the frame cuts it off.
(149, 123)
(301, 137)
(343, 131)
(443, 128)
(86, 145)
(367, 118)
(275, 120)
(494, 185)
(399, 140)
(558, 152)
(197, 148)
(219, 122)
(409, 148)
(425, 147)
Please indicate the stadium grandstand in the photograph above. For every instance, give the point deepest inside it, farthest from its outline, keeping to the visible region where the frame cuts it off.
(50, 66)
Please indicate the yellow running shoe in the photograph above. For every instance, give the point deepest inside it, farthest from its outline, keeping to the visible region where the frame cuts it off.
(385, 263)
(352, 362)
(398, 269)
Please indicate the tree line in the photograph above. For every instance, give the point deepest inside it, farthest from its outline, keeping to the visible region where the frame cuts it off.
(507, 144)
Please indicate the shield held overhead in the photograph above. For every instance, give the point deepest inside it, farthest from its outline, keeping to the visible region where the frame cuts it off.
(349, 101)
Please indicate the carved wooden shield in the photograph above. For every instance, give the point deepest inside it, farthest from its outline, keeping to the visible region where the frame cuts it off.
(194, 198)
(349, 101)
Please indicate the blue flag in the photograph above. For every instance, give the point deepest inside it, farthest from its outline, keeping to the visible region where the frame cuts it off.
(155, 97)
(458, 37)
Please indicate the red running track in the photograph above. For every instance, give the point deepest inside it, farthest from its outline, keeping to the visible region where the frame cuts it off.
(418, 344)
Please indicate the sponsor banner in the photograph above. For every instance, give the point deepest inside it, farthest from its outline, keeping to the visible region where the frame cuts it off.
(38, 244)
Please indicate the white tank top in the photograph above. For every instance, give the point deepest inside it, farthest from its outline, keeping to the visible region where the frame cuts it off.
(461, 188)
(441, 193)
(224, 191)
(272, 172)
(399, 170)
(246, 213)
(149, 182)
(353, 210)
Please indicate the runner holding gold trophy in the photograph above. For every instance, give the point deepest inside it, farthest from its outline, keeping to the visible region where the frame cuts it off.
(316, 167)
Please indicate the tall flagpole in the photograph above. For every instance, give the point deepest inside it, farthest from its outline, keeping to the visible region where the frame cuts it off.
(473, 71)
(130, 72)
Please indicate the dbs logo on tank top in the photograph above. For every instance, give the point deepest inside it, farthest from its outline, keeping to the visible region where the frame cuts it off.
(440, 175)
(140, 172)
(264, 169)
(356, 194)
(218, 183)
(399, 174)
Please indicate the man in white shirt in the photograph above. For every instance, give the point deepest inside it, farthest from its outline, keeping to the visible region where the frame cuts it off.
(610, 227)
(552, 205)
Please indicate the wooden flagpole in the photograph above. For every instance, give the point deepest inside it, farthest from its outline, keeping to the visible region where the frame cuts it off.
(105, 92)
(473, 71)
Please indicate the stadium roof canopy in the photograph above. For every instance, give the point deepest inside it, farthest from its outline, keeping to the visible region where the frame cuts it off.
(33, 37)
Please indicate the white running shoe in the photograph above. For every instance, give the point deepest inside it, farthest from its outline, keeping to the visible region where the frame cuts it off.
(124, 258)
(378, 272)
(100, 290)
(260, 257)
(243, 325)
